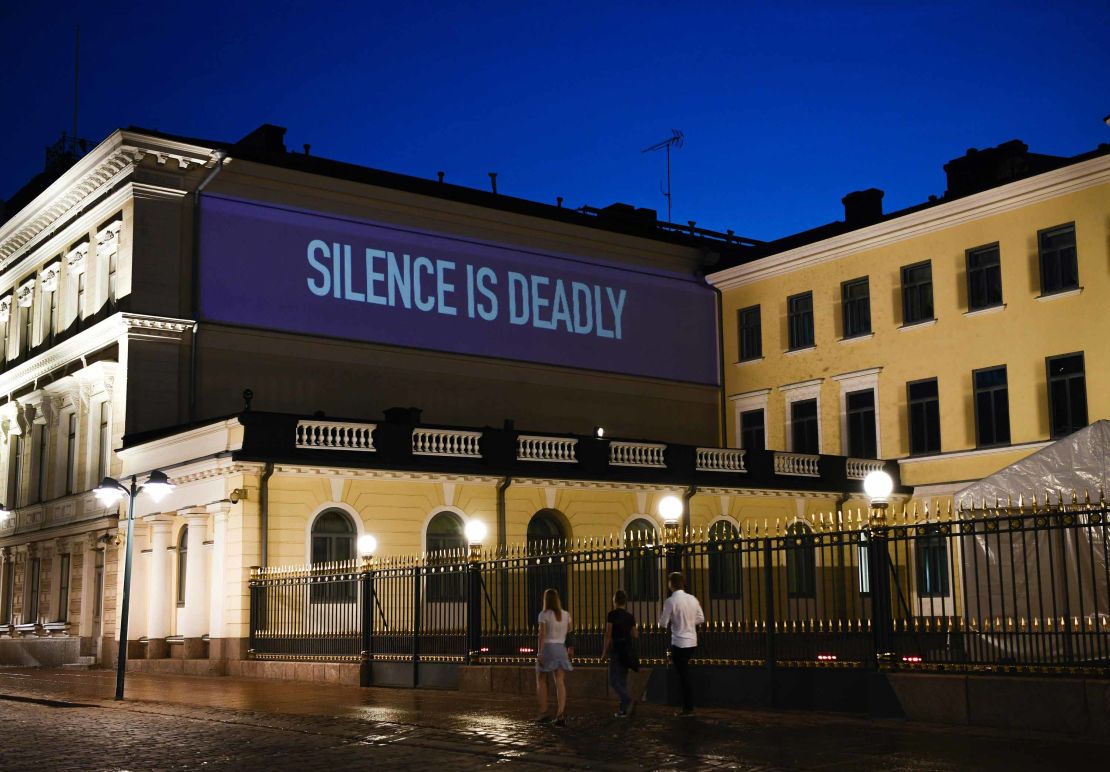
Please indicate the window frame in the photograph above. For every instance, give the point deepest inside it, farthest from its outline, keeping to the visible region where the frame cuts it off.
(182, 565)
(851, 412)
(1044, 233)
(926, 541)
(64, 567)
(1054, 432)
(796, 320)
(762, 429)
(801, 576)
(975, 390)
(71, 453)
(794, 424)
(910, 403)
(975, 252)
(848, 304)
(641, 574)
(757, 354)
(726, 566)
(905, 293)
(342, 590)
(442, 587)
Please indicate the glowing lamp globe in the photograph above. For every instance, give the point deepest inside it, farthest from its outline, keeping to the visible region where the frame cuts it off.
(367, 545)
(475, 532)
(670, 509)
(878, 486)
(109, 492)
(158, 486)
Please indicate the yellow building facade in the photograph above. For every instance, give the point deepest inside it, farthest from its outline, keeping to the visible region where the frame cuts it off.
(975, 316)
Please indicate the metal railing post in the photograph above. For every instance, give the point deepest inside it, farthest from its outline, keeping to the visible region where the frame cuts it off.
(879, 566)
(257, 610)
(473, 605)
(769, 617)
(366, 622)
(417, 588)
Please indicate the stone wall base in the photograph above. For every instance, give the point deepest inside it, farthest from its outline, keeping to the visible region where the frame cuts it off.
(39, 652)
(178, 666)
(346, 674)
(586, 682)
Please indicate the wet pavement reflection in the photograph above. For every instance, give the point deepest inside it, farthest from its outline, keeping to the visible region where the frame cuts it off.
(235, 723)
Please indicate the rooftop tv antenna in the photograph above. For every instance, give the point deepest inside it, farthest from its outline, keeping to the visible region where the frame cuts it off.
(675, 140)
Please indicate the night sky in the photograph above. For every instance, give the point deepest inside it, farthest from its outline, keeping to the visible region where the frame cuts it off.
(785, 106)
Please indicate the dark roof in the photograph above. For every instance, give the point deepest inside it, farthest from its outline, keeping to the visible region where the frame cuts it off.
(974, 172)
(266, 145)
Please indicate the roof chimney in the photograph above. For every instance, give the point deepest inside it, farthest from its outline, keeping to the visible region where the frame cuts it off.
(267, 138)
(863, 207)
(980, 170)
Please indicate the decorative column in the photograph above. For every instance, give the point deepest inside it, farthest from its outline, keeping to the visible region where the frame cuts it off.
(217, 591)
(158, 587)
(195, 622)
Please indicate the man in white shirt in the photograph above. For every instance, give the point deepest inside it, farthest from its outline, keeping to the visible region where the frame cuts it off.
(683, 613)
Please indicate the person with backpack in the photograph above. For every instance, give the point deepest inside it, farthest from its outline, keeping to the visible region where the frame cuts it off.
(619, 643)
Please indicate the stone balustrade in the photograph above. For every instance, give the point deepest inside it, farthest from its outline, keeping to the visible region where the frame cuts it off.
(335, 435)
(446, 442)
(636, 454)
(553, 449)
(720, 460)
(797, 464)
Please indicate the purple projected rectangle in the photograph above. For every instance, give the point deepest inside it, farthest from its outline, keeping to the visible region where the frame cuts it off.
(285, 269)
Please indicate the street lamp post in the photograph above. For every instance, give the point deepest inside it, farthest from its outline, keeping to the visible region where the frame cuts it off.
(367, 545)
(109, 493)
(878, 486)
(475, 535)
(670, 509)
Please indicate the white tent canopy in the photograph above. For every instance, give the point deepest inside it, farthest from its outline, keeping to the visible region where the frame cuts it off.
(1079, 462)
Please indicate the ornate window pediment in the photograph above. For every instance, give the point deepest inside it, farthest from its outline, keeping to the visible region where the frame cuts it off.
(107, 238)
(50, 275)
(75, 258)
(25, 296)
(6, 308)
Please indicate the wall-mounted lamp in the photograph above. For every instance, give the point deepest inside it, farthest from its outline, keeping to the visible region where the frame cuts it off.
(237, 495)
(599, 432)
(367, 545)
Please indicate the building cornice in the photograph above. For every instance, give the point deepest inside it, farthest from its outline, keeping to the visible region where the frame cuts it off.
(92, 340)
(1070, 179)
(102, 169)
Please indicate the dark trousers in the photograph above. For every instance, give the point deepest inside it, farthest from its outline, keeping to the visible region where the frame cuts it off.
(680, 658)
(618, 679)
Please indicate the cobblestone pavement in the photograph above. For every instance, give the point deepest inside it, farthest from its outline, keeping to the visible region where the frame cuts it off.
(64, 720)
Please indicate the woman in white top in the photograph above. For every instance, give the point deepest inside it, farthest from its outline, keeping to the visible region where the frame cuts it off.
(552, 656)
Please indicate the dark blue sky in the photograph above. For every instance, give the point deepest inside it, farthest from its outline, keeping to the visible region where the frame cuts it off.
(786, 106)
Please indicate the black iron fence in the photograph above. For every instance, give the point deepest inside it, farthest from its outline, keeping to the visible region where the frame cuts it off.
(1004, 588)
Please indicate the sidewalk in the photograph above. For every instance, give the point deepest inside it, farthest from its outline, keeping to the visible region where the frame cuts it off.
(61, 719)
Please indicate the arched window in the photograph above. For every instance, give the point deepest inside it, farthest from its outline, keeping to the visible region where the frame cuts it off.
(446, 545)
(641, 561)
(182, 564)
(333, 539)
(801, 562)
(724, 560)
(546, 535)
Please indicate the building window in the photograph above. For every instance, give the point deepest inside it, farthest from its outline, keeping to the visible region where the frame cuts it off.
(8, 588)
(931, 551)
(924, 410)
(992, 407)
(800, 313)
(984, 278)
(751, 334)
(182, 564)
(546, 535)
(1059, 267)
(98, 588)
(860, 409)
(26, 325)
(856, 304)
(917, 293)
(15, 475)
(753, 434)
(803, 426)
(71, 454)
(34, 585)
(724, 560)
(82, 295)
(40, 440)
(863, 551)
(801, 562)
(1067, 394)
(333, 539)
(641, 562)
(104, 452)
(63, 588)
(446, 546)
(112, 277)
